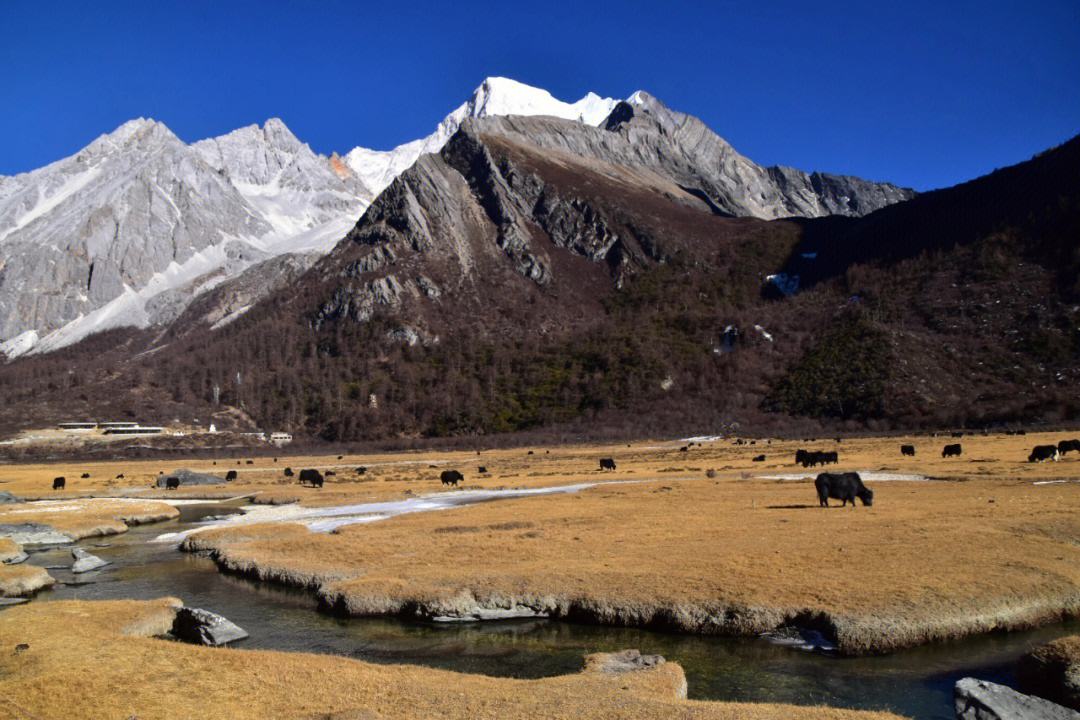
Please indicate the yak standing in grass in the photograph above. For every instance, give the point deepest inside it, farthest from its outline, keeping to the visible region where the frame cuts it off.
(311, 477)
(451, 477)
(907, 450)
(172, 483)
(1043, 452)
(953, 450)
(59, 483)
(1067, 446)
(842, 486)
(231, 475)
(288, 472)
(607, 463)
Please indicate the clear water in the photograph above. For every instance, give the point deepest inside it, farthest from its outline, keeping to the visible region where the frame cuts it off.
(917, 683)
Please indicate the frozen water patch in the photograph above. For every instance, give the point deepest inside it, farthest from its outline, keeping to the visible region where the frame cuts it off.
(703, 438)
(866, 475)
(326, 519)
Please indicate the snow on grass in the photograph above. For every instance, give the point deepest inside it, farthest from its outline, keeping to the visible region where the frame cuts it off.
(326, 519)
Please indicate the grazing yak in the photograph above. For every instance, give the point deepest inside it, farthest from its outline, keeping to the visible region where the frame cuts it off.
(482, 470)
(1067, 446)
(231, 475)
(288, 472)
(59, 483)
(1043, 452)
(250, 462)
(451, 477)
(120, 476)
(85, 475)
(607, 463)
(172, 482)
(361, 470)
(686, 449)
(311, 477)
(759, 458)
(907, 450)
(810, 458)
(842, 486)
(953, 450)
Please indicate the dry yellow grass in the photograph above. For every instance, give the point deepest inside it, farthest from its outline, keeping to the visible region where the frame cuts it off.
(9, 550)
(79, 518)
(929, 561)
(22, 580)
(116, 671)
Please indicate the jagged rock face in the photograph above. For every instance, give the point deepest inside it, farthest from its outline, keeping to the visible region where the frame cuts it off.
(514, 208)
(75, 234)
(132, 228)
(643, 132)
(275, 171)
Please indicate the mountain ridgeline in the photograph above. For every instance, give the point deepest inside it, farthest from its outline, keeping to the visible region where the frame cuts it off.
(636, 275)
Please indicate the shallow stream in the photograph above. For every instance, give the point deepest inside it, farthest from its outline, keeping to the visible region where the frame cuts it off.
(917, 683)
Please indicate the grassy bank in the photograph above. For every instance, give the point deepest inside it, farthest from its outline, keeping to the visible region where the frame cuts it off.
(79, 518)
(929, 561)
(171, 680)
(23, 580)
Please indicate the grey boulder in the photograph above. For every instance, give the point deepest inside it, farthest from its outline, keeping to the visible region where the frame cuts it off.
(85, 562)
(190, 477)
(202, 627)
(975, 699)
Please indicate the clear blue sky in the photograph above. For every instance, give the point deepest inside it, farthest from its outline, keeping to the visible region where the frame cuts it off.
(920, 93)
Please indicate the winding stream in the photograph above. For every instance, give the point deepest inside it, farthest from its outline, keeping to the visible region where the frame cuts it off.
(917, 683)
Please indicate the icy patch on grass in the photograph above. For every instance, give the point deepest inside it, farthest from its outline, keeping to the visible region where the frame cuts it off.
(326, 519)
(866, 475)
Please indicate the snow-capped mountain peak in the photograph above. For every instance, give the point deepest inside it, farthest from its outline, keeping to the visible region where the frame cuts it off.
(494, 96)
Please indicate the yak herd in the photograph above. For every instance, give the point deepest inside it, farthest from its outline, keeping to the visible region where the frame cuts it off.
(845, 486)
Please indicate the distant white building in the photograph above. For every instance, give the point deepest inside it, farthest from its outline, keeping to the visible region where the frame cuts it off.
(280, 438)
(213, 428)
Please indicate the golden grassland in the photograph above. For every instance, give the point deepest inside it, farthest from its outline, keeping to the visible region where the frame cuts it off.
(119, 670)
(392, 475)
(682, 548)
(9, 550)
(983, 549)
(80, 518)
(22, 580)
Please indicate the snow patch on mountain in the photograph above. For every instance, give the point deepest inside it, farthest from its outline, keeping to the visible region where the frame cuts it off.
(495, 96)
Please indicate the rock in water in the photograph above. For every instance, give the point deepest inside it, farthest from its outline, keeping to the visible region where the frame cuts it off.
(981, 700)
(203, 627)
(85, 562)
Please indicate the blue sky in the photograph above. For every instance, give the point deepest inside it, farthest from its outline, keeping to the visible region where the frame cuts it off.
(924, 94)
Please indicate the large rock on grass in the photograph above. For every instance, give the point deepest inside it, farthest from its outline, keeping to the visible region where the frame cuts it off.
(203, 627)
(190, 477)
(975, 699)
